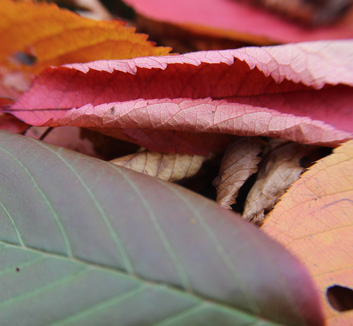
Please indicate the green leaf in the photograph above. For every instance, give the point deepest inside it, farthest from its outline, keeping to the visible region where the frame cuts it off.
(86, 243)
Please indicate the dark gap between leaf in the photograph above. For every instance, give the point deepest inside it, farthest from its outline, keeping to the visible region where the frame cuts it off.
(238, 207)
(108, 147)
(340, 298)
(120, 9)
(318, 154)
(202, 181)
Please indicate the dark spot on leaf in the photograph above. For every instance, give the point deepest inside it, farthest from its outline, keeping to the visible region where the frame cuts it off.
(340, 298)
(112, 110)
(25, 58)
(17, 269)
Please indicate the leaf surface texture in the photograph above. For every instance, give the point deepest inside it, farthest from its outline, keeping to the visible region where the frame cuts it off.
(314, 221)
(188, 103)
(84, 241)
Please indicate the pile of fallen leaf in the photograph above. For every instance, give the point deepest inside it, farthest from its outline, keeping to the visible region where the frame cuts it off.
(259, 118)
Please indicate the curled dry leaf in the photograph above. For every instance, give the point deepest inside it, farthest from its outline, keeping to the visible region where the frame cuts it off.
(279, 169)
(236, 20)
(239, 162)
(300, 92)
(314, 221)
(169, 167)
(36, 35)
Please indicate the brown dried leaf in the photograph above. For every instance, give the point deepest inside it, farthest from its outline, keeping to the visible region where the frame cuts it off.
(169, 167)
(279, 169)
(239, 162)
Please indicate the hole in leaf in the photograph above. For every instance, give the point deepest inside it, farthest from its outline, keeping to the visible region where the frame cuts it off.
(340, 298)
(25, 58)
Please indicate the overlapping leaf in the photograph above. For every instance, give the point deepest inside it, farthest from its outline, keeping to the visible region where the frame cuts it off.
(169, 167)
(38, 35)
(83, 242)
(237, 20)
(239, 162)
(9, 122)
(314, 221)
(279, 169)
(188, 103)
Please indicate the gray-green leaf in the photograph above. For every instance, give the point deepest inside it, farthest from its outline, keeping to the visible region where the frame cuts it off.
(83, 242)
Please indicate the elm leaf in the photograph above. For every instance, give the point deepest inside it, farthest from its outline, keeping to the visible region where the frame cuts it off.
(83, 242)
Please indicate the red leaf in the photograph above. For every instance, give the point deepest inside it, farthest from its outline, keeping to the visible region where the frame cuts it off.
(299, 92)
(236, 20)
(9, 122)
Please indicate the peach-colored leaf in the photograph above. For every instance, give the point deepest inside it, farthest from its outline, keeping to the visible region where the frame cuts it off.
(236, 20)
(169, 167)
(314, 221)
(36, 35)
(279, 169)
(239, 162)
(300, 92)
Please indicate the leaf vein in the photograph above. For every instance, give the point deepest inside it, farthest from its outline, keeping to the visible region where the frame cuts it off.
(46, 200)
(100, 209)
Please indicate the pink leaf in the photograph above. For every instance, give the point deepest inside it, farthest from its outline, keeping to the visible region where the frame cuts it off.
(233, 19)
(9, 122)
(301, 92)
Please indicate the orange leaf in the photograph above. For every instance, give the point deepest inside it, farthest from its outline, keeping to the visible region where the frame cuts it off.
(40, 35)
(314, 221)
